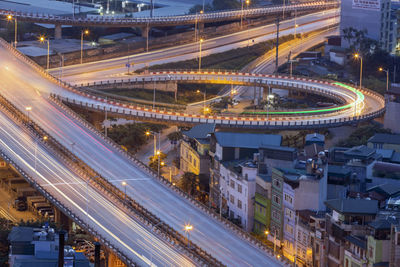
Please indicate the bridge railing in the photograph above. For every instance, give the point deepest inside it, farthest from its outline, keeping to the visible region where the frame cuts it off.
(104, 187)
(209, 16)
(210, 212)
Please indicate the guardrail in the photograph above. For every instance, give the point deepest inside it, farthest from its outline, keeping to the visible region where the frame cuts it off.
(167, 20)
(20, 118)
(104, 187)
(210, 212)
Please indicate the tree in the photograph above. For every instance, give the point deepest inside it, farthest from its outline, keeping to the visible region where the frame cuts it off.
(174, 137)
(189, 182)
(153, 161)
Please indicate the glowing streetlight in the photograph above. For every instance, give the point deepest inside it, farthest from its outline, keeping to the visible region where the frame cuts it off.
(124, 184)
(241, 17)
(28, 109)
(188, 228)
(358, 56)
(85, 32)
(387, 77)
(42, 39)
(10, 18)
(204, 101)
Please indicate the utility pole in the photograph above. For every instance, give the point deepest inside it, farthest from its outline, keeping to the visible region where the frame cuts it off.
(151, 8)
(277, 45)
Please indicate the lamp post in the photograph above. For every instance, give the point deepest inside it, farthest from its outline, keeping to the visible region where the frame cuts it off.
(358, 56)
(204, 101)
(188, 228)
(200, 43)
(9, 18)
(36, 147)
(124, 184)
(43, 39)
(148, 133)
(387, 77)
(275, 233)
(28, 109)
(241, 16)
(85, 32)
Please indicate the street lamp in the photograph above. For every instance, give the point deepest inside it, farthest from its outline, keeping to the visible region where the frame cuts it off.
(241, 17)
(188, 228)
(148, 133)
(42, 40)
(85, 32)
(204, 101)
(387, 77)
(9, 18)
(358, 56)
(28, 109)
(124, 185)
(36, 147)
(200, 42)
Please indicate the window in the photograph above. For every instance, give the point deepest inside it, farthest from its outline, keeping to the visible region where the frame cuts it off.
(289, 213)
(276, 199)
(194, 162)
(239, 204)
(289, 229)
(276, 215)
(233, 184)
(277, 183)
(288, 198)
(239, 188)
(190, 158)
(232, 198)
(298, 236)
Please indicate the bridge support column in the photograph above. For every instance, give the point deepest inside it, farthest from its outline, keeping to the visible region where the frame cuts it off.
(145, 34)
(57, 32)
(201, 28)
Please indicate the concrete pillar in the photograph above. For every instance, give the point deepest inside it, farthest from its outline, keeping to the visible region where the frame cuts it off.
(57, 32)
(201, 28)
(145, 31)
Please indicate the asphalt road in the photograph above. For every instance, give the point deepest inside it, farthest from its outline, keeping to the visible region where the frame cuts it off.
(25, 87)
(111, 68)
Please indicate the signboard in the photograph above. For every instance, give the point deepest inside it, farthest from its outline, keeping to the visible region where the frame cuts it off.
(374, 5)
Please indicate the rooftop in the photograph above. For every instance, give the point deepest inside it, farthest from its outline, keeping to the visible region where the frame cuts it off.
(247, 140)
(357, 240)
(315, 137)
(359, 152)
(388, 190)
(353, 206)
(383, 223)
(200, 131)
(385, 138)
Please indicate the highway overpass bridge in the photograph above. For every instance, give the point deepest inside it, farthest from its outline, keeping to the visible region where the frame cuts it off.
(147, 22)
(26, 86)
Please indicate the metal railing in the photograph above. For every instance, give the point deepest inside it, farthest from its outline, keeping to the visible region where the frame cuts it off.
(167, 20)
(105, 188)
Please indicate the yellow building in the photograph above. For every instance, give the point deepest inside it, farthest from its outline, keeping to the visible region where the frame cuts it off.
(194, 149)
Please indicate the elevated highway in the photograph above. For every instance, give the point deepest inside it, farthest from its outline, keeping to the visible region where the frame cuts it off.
(115, 68)
(107, 21)
(25, 84)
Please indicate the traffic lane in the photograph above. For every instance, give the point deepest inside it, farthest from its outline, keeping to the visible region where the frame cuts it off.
(121, 70)
(189, 48)
(63, 183)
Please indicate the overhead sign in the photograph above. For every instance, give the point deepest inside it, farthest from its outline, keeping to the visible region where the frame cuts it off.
(367, 4)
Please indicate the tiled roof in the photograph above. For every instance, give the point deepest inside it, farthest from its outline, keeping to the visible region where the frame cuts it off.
(200, 131)
(355, 206)
(385, 138)
(247, 140)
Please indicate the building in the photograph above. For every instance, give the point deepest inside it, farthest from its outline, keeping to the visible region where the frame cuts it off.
(314, 143)
(355, 251)
(194, 149)
(262, 204)
(347, 217)
(302, 190)
(385, 141)
(374, 17)
(238, 186)
(39, 247)
(228, 146)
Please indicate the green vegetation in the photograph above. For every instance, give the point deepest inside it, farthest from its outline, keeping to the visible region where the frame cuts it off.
(235, 59)
(161, 96)
(361, 135)
(132, 136)
(153, 161)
